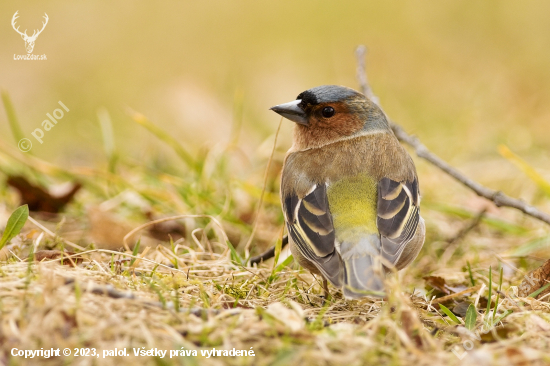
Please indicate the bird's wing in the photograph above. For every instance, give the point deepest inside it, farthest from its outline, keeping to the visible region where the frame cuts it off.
(310, 226)
(398, 216)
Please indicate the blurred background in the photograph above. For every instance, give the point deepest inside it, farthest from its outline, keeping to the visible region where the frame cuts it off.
(463, 76)
(466, 77)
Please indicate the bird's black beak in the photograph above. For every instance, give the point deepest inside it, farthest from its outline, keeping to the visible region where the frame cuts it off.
(292, 112)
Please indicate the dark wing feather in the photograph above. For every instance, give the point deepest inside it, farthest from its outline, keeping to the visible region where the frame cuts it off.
(398, 215)
(310, 226)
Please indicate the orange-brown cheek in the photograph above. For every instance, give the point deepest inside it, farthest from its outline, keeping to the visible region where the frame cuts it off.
(344, 124)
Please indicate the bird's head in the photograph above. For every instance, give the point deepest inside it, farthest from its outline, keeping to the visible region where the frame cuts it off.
(330, 113)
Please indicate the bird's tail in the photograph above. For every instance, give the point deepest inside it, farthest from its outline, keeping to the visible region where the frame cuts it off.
(364, 273)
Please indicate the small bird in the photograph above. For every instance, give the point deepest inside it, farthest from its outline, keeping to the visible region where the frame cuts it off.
(349, 191)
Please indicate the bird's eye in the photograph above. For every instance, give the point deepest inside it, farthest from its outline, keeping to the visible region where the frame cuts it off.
(327, 112)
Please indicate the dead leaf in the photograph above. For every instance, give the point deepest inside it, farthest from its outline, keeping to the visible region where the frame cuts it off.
(41, 255)
(437, 283)
(441, 285)
(38, 198)
(483, 303)
(165, 230)
(534, 280)
(460, 308)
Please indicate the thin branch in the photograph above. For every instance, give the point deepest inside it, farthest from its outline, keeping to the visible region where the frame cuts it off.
(108, 290)
(465, 231)
(498, 198)
(452, 296)
(361, 54)
(453, 243)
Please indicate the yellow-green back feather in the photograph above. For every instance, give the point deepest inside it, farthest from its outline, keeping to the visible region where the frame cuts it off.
(352, 202)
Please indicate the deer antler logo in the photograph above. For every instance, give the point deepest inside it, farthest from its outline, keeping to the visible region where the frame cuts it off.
(29, 41)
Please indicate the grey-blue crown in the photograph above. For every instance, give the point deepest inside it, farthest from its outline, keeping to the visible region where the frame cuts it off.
(326, 94)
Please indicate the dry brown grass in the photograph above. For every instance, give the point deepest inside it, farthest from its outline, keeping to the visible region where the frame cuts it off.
(209, 301)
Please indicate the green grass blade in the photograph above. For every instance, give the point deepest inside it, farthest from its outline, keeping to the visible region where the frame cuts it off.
(279, 268)
(449, 314)
(15, 224)
(108, 137)
(471, 275)
(235, 257)
(471, 317)
(500, 318)
(166, 137)
(498, 294)
(527, 169)
(12, 118)
(535, 245)
(501, 225)
(135, 252)
(176, 299)
(487, 312)
(285, 263)
(278, 249)
(154, 288)
(106, 131)
(536, 293)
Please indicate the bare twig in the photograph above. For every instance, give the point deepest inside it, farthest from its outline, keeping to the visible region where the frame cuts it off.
(454, 242)
(497, 197)
(361, 53)
(463, 232)
(108, 290)
(452, 296)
